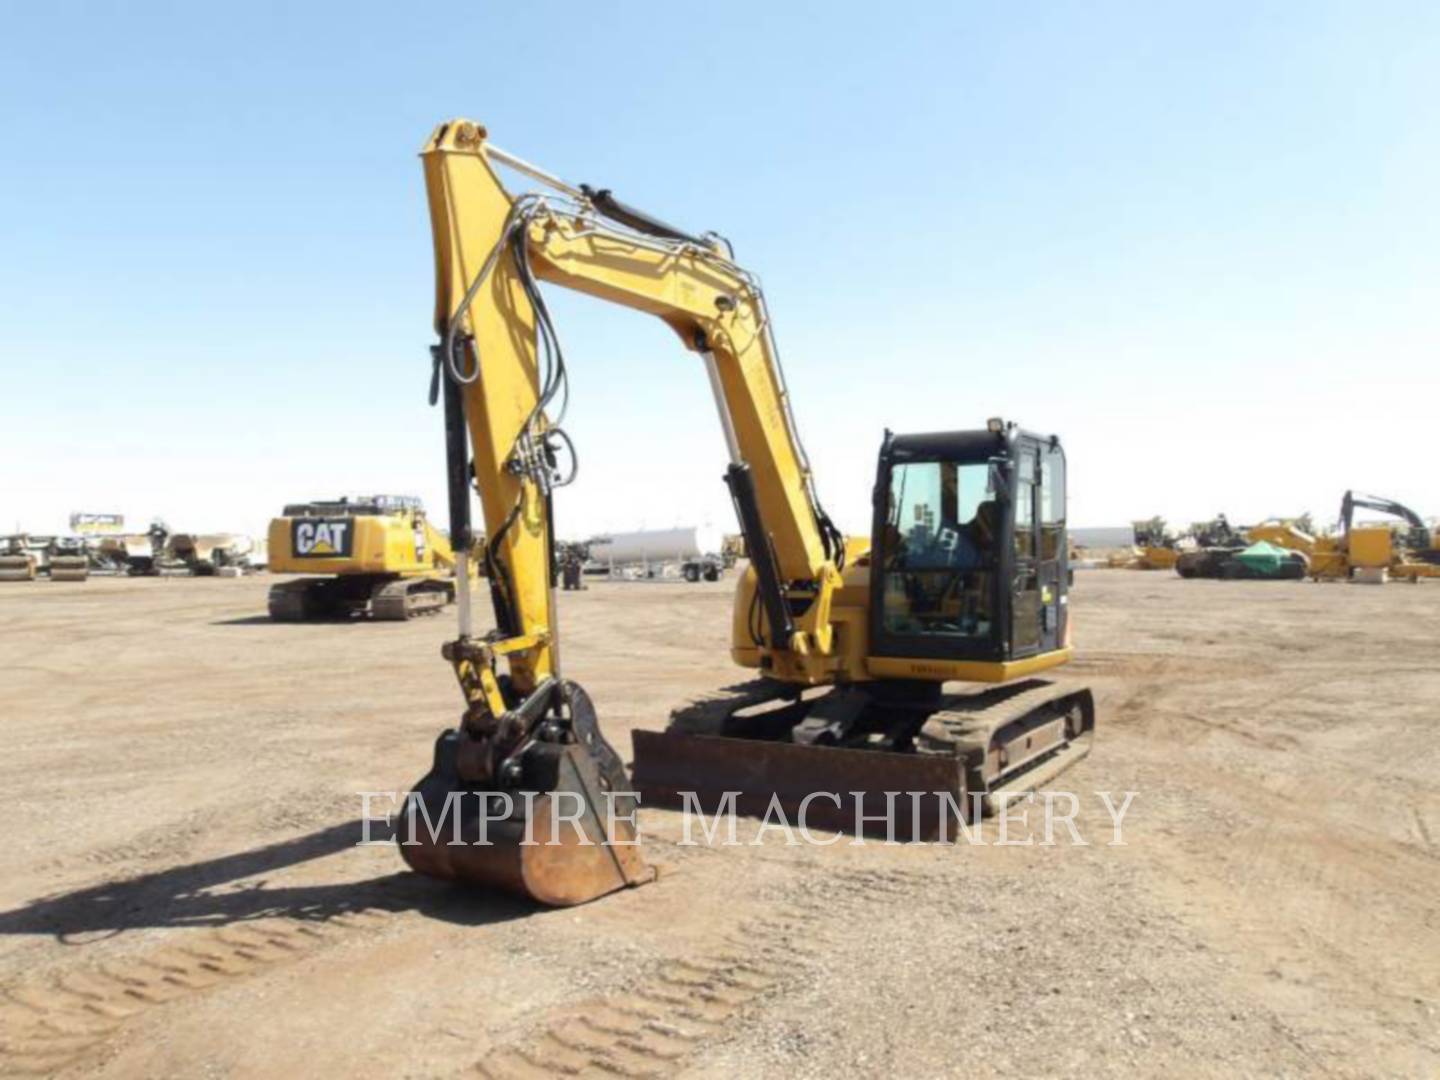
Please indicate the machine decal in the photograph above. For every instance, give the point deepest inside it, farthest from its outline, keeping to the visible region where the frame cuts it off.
(319, 539)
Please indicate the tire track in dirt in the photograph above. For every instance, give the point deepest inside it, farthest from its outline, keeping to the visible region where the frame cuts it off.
(59, 1020)
(685, 1004)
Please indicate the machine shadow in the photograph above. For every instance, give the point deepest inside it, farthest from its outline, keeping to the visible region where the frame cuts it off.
(319, 620)
(194, 895)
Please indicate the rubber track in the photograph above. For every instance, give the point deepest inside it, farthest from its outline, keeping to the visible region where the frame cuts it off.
(689, 1004)
(968, 732)
(971, 728)
(286, 603)
(52, 1023)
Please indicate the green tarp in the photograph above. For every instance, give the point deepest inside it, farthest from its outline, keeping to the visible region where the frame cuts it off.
(1263, 557)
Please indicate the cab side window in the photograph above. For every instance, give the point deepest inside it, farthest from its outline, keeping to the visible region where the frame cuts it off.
(1025, 505)
(1052, 502)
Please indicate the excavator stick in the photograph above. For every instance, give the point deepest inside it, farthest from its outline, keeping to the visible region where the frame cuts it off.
(556, 827)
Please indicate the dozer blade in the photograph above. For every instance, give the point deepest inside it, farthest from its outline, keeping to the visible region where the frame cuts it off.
(558, 837)
(897, 796)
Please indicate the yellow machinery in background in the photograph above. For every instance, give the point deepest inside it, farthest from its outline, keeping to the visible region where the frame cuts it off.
(209, 554)
(1373, 551)
(60, 558)
(964, 575)
(1282, 533)
(70, 558)
(379, 554)
(1155, 547)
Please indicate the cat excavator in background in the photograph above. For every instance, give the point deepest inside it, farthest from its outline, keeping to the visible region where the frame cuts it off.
(859, 644)
(379, 555)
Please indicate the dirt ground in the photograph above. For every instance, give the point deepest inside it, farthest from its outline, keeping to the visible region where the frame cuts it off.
(181, 891)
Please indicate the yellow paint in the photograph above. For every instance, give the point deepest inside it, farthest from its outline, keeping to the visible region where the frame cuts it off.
(1152, 558)
(1370, 545)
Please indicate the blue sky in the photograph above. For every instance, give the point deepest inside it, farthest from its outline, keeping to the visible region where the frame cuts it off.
(1201, 242)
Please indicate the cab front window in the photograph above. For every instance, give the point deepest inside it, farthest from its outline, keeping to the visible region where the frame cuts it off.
(942, 528)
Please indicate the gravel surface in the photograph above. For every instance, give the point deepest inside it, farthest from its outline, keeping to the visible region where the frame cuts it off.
(181, 892)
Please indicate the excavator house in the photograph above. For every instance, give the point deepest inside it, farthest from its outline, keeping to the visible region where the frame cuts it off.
(920, 659)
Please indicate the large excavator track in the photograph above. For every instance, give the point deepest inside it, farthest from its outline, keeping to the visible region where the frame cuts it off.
(390, 600)
(292, 601)
(396, 601)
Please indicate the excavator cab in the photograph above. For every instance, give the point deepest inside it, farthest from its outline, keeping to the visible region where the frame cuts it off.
(968, 553)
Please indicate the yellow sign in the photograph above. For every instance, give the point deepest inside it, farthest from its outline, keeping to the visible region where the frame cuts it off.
(96, 524)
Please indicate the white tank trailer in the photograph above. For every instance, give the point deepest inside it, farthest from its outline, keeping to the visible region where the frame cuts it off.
(692, 553)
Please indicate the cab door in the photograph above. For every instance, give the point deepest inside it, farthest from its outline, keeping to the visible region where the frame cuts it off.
(1026, 603)
(1053, 559)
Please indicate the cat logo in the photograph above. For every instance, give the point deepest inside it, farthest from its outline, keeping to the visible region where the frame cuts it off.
(312, 538)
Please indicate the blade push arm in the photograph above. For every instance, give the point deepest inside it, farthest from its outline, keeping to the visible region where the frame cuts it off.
(490, 250)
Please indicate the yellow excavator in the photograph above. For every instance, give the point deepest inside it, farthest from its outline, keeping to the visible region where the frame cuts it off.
(1368, 552)
(857, 642)
(379, 555)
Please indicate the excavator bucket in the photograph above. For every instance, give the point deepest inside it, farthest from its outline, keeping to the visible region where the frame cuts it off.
(558, 836)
